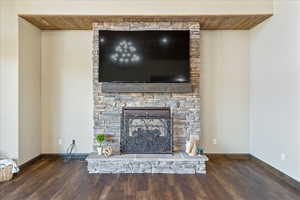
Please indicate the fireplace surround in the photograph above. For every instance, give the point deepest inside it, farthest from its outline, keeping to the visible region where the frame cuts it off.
(185, 105)
(109, 105)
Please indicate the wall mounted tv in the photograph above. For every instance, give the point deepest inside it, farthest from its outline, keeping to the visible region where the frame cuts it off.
(144, 56)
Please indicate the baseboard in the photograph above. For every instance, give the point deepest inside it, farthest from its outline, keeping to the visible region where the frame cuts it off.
(76, 156)
(282, 176)
(30, 162)
(232, 156)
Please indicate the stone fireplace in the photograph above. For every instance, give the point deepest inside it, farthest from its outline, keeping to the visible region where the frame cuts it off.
(146, 130)
(185, 107)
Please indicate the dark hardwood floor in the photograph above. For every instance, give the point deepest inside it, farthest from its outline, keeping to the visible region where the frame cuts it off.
(227, 178)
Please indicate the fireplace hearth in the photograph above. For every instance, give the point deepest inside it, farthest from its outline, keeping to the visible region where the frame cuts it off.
(146, 131)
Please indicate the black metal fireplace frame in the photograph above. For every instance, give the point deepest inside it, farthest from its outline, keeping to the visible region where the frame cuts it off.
(125, 127)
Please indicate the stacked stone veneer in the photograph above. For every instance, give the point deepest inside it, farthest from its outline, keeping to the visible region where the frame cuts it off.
(185, 107)
(178, 163)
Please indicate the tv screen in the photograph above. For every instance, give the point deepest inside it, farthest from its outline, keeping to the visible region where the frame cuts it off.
(144, 56)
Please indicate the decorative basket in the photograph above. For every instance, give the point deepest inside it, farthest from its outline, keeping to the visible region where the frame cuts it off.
(6, 173)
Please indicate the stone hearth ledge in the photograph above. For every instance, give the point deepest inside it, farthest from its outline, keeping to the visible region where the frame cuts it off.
(177, 163)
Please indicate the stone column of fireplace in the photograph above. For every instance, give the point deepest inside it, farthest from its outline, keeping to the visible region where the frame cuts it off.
(185, 107)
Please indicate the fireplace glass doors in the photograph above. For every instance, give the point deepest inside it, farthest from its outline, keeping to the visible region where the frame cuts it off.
(146, 131)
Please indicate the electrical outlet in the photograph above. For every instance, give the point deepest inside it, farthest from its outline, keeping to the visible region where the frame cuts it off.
(214, 141)
(59, 141)
(282, 156)
(194, 137)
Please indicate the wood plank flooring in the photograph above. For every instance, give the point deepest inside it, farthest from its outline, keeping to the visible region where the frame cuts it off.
(227, 178)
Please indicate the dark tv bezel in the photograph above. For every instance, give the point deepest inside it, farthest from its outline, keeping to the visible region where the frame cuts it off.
(99, 67)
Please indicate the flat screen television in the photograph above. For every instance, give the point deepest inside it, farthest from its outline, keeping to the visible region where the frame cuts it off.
(144, 56)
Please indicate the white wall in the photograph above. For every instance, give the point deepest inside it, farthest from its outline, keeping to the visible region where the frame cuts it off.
(67, 93)
(67, 90)
(9, 91)
(9, 83)
(275, 89)
(1, 112)
(142, 6)
(29, 91)
(224, 91)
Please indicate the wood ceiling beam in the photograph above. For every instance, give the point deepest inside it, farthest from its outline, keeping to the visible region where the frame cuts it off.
(84, 22)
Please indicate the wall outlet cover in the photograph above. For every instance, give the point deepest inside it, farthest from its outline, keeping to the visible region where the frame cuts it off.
(214, 141)
(282, 156)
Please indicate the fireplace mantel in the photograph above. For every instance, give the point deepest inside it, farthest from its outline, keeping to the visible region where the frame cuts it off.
(147, 87)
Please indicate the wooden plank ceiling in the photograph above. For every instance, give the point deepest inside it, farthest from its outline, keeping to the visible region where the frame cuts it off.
(84, 22)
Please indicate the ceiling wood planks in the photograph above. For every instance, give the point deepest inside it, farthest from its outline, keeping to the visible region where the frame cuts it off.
(84, 22)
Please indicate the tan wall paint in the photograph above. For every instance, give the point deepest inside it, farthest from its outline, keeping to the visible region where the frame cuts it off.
(67, 93)
(224, 91)
(9, 38)
(29, 91)
(142, 6)
(275, 89)
(9, 84)
(1, 116)
(67, 90)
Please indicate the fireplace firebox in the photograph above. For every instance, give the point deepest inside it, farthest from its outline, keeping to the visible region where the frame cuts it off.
(146, 131)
